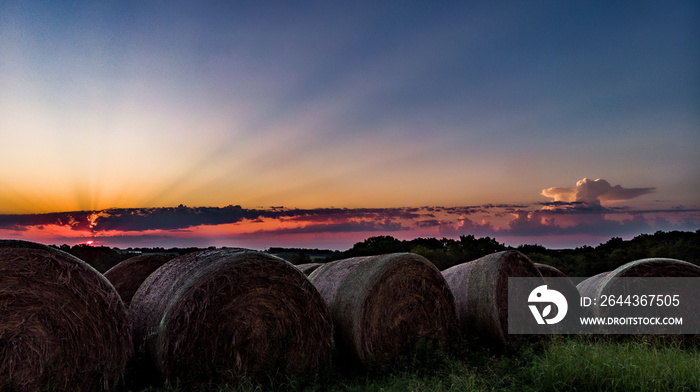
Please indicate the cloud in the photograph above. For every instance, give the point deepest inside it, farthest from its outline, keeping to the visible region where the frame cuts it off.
(428, 223)
(594, 192)
(333, 214)
(183, 217)
(228, 225)
(463, 226)
(170, 218)
(339, 227)
(76, 220)
(564, 195)
(545, 223)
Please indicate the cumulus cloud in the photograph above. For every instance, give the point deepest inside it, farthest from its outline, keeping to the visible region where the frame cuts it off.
(594, 192)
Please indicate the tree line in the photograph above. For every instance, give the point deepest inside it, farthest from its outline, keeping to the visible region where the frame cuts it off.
(444, 253)
(581, 261)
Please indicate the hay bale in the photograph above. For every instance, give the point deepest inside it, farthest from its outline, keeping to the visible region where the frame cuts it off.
(62, 324)
(606, 283)
(480, 288)
(657, 267)
(651, 267)
(308, 268)
(127, 276)
(218, 315)
(385, 306)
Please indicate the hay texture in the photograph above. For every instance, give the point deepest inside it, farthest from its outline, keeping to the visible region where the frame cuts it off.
(385, 306)
(218, 315)
(128, 275)
(480, 288)
(62, 325)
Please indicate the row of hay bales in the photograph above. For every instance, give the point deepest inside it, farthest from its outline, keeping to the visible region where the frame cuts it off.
(212, 315)
(217, 315)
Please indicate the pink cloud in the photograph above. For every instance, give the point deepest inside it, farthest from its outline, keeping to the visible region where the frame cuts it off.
(594, 192)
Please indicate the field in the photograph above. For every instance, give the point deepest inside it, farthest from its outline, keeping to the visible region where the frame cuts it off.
(564, 363)
(274, 348)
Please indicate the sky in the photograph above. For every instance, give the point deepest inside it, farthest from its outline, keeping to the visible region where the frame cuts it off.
(320, 124)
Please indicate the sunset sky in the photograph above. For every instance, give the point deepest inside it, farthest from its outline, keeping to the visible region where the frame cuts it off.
(319, 124)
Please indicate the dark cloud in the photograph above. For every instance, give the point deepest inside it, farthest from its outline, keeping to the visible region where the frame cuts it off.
(170, 218)
(466, 210)
(332, 214)
(77, 220)
(503, 206)
(183, 217)
(428, 223)
(577, 208)
(471, 210)
(132, 219)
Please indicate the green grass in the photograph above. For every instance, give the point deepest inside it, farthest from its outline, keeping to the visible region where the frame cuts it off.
(628, 365)
(577, 363)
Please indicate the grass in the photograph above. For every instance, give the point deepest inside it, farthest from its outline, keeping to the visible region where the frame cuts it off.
(617, 365)
(575, 363)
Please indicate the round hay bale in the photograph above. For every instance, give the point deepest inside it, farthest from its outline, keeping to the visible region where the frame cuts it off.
(385, 306)
(480, 288)
(652, 267)
(308, 268)
(127, 276)
(606, 283)
(657, 267)
(219, 315)
(62, 324)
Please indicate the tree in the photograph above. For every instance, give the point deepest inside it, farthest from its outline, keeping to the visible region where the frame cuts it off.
(377, 245)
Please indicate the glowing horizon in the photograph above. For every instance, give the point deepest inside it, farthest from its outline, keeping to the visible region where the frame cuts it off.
(586, 217)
